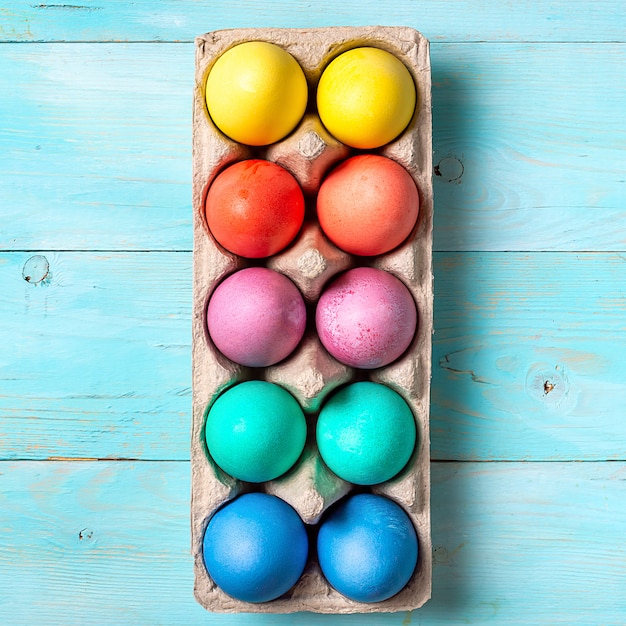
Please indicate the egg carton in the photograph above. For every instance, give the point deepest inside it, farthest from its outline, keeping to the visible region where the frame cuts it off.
(310, 373)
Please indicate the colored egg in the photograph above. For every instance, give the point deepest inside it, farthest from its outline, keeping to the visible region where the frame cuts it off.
(254, 208)
(366, 433)
(256, 93)
(255, 431)
(366, 97)
(367, 548)
(255, 547)
(256, 317)
(368, 205)
(366, 318)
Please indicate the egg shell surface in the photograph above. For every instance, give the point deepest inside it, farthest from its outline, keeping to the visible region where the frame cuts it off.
(255, 547)
(256, 93)
(367, 548)
(366, 318)
(254, 208)
(366, 433)
(366, 97)
(255, 431)
(256, 317)
(368, 205)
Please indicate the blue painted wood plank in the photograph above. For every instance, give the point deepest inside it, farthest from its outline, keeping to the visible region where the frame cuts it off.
(181, 20)
(95, 147)
(528, 147)
(108, 543)
(96, 357)
(527, 356)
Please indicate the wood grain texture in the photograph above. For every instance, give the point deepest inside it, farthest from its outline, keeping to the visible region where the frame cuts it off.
(108, 543)
(95, 147)
(527, 357)
(438, 20)
(95, 156)
(99, 357)
(539, 145)
(528, 147)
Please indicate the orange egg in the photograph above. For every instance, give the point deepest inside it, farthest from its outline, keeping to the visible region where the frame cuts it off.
(368, 205)
(254, 208)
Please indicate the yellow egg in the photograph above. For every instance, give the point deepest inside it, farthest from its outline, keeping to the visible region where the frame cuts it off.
(256, 93)
(366, 97)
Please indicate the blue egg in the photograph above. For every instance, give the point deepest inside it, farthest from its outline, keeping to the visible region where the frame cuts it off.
(367, 548)
(255, 547)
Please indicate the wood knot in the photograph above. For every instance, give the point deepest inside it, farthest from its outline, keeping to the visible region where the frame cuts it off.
(36, 270)
(450, 169)
(550, 386)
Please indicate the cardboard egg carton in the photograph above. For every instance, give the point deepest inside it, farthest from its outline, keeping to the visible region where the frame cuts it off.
(310, 373)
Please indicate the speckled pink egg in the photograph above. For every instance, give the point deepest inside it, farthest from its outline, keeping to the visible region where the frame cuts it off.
(366, 318)
(256, 317)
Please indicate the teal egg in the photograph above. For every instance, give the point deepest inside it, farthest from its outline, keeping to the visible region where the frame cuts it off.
(255, 431)
(366, 433)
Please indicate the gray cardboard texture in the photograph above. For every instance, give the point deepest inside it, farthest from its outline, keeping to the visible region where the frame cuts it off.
(311, 373)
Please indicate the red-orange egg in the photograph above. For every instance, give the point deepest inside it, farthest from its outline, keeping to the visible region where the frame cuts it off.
(254, 208)
(368, 205)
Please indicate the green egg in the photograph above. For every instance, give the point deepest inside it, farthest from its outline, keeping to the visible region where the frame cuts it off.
(366, 433)
(255, 431)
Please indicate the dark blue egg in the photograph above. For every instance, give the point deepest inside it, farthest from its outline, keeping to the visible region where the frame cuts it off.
(255, 547)
(367, 548)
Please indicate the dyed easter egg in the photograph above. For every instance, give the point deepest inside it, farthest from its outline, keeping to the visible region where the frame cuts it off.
(366, 97)
(256, 317)
(366, 433)
(368, 205)
(255, 431)
(367, 548)
(255, 547)
(256, 93)
(254, 208)
(366, 318)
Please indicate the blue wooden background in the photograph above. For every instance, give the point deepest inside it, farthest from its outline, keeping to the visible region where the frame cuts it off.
(529, 375)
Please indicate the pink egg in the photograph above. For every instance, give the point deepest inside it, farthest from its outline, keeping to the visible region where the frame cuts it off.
(366, 318)
(256, 317)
